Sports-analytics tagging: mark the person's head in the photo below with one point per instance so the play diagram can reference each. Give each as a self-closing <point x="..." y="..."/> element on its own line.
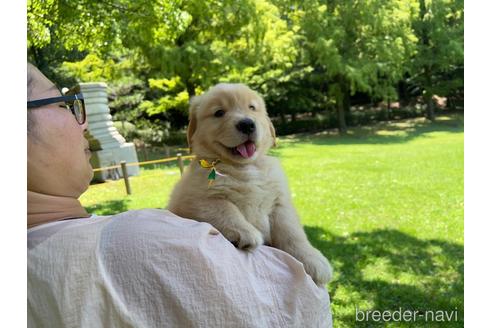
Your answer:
<point x="57" y="151"/>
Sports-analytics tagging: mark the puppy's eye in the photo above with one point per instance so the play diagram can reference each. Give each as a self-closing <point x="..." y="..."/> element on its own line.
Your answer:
<point x="219" y="113"/>
<point x="252" y="107"/>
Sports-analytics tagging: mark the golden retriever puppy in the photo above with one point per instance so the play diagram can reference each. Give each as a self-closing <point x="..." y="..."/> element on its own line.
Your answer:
<point x="234" y="185"/>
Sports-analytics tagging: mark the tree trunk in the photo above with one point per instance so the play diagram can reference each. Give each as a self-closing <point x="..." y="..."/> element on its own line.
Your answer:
<point x="431" y="115"/>
<point x="341" y="103"/>
<point x="346" y="103"/>
<point x="342" y="125"/>
<point x="282" y="117"/>
<point x="425" y="41"/>
<point x="293" y="117"/>
<point x="403" y="97"/>
<point x="387" y="110"/>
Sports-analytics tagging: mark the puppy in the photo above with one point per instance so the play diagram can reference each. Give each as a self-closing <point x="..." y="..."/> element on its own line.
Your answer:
<point x="234" y="185"/>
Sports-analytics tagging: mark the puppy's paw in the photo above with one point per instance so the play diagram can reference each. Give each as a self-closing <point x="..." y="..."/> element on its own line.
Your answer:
<point x="246" y="239"/>
<point x="317" y="266"/>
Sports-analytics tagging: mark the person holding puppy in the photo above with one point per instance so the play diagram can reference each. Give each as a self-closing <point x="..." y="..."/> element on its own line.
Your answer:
<point x="144" y="268"/>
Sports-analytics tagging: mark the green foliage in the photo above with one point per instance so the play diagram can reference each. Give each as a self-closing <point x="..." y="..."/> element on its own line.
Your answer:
<point x="91" y="68"/>
<point x="437" y="67"/>
<point x="166" y="103"/>
<point x="303" y="56"/>
<point x="185" y="40"/>
<point x="127" y="130"/>
<point x="81" y="25"/>
<point x="174" y="96"/>
<point x="361" y="46"/>
<point x="39" y="21"/>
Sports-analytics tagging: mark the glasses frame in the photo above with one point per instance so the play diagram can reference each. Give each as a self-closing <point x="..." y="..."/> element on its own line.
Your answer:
<point x="68" y="100"/>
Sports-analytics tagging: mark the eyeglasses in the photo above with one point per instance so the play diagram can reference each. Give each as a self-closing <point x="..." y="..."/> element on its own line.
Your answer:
<point x="74" y="103"/>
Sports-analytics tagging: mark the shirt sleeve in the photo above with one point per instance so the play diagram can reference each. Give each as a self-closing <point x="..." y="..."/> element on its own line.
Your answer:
<point x="150" y="268"/>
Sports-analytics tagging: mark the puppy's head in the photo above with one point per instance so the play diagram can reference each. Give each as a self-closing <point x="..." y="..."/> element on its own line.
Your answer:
<point x="230" y="122"/>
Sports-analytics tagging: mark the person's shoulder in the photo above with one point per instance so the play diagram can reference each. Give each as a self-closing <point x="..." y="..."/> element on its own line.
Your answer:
<point x="160" y="216"/>
<point x="150" y="214"/>
<point x="156" y="221"/>
<point x="128" y="225"/>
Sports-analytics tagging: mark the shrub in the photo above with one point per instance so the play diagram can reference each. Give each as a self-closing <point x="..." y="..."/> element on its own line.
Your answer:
<point x="127" y="130"/>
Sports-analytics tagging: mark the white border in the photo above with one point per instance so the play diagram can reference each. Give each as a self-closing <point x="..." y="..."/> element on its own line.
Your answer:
<point x="478" y="164"/>
<point x="13" y="187"/>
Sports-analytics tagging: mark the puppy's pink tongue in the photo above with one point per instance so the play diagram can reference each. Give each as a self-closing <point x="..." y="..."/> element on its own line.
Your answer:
<point x="246" y="149"/>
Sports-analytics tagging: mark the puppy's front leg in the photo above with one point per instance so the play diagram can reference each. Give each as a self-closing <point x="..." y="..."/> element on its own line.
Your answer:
<point x="228" y="219"/>
<point x="288" y="235"/>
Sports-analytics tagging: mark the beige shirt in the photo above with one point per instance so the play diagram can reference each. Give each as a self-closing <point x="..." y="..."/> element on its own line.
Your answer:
<point x="151" y="268"/>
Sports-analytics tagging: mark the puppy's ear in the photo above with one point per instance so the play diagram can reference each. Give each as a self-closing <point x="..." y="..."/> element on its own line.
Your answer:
<point x="194" y="103"/>
<point x="270" y="124"/>
<point x="272" y="132"/>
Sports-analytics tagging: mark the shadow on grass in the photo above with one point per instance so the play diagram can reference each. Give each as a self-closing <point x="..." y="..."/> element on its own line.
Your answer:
<point x="108" y="208"/>
<point x="379" y="133"/>
<point x="393" y="270"/>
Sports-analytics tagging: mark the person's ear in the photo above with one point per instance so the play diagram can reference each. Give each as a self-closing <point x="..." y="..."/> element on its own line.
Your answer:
<point x="194" y="103"/>
<point x="272" y="132"/>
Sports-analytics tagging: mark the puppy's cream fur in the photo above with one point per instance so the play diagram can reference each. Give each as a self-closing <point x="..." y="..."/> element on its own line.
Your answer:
<point x="251" y="205"/>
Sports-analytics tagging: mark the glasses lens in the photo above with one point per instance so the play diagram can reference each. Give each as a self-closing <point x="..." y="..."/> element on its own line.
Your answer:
<point x="79" y="111"/>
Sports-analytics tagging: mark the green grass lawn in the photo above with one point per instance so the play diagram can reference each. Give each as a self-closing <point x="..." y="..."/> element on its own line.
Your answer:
<point x="383" y="203"/>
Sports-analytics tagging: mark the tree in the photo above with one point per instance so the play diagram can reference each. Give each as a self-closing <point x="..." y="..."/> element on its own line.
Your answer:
<point x="193" y="43"/>
<point x="184" y="41"/>
<point x="269" y="59"/>
<point x="438" y="64"/>
<point x="356" y="45"/>
<point x="303" y="56"/>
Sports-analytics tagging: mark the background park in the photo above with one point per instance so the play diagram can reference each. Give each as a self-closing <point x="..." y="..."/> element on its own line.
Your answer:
<point x="367" y="101"/>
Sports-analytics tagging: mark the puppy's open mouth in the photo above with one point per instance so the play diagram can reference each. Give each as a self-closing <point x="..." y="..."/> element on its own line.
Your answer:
<point x="246" y="150"/>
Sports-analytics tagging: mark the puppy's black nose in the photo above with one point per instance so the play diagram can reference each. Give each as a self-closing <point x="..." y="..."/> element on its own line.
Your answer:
<point x="246" y="126"/>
